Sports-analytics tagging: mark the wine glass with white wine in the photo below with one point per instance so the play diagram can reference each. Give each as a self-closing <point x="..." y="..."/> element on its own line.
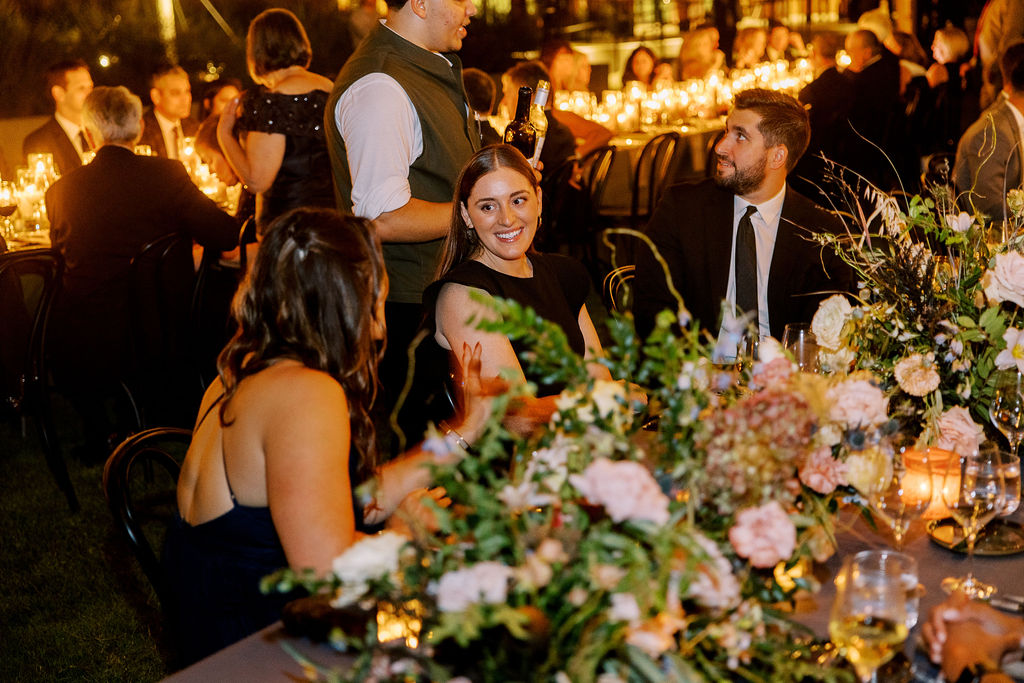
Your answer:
<point x="973" y="491"/>
<point x="907" y="493"/>
<point x="1007" y="408"/>
<point x="868" y="618"/>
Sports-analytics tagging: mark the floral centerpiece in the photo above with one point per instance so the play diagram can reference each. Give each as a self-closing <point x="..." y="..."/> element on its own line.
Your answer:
<point x="612" y="547"/>
<point x="937" y="306"/>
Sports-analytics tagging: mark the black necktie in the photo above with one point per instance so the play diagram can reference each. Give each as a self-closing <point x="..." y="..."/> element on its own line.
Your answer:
<point x="83" y="143"/>
<point x="746" y="265"/>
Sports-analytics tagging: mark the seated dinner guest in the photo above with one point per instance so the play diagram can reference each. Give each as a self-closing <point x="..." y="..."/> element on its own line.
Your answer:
<point x="170" y="118"/>
<point x="101" y="215"/>
<point x="284" y="436"/>
<point x="489" y="251"/>
<point x="69" y="83"/>
<point x="640" y="66"/>
<point x="743" y="237"/>
<point x="282" y="156"/>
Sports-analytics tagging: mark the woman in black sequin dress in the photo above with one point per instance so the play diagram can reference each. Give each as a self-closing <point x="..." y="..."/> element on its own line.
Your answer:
<point x="274" y="137"/>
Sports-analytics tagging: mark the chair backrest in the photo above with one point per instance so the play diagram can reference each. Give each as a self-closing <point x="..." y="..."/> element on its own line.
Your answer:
<point x="28" y="283"/>
<point x="596" y="165"/>
<point x="555" y="190"/>
<point x="163" y="287"/>
<point x="650" y="175"/>
<point x="140" y="482"/>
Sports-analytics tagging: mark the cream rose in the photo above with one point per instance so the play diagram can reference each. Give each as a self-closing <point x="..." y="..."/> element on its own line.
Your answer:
<point x="829" y="320"/>
<point x="916" y="374"/>
<point x="764" y="535"/>
<point x="857" y="402"/>
<point x="869" y="471"/>
<point x="1005" y="281"/>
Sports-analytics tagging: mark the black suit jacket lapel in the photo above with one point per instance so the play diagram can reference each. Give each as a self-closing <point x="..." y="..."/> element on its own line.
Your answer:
<point x="789" y="261"/>
<point x="719" y="248"/>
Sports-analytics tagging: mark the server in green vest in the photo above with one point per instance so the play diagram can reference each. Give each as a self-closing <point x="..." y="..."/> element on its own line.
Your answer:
<point x="399" y="129"/>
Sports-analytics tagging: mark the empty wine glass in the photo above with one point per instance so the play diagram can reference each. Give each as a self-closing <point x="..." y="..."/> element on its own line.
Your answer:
<point x="798" y="339"/>
<point x="973" y="491"/>
<point x="906" y="494"/>
<point x="1007" y="408"/>
<point x="868" y="617"/>
<point x="8" y="205"/>
<point x="1011" y="481"/>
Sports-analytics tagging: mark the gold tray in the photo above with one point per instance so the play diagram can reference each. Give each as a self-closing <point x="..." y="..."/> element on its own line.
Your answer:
<point x="1000" y="537"/>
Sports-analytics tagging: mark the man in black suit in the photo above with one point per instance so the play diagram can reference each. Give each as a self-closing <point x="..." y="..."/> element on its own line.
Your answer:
<point x="69" y="83"/>
<point x="101" y="215"/>
<point x="743" y="236"/>
<point x="169" y="119"/>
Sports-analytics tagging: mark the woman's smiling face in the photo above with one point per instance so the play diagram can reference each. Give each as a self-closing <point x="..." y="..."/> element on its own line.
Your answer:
<point x="503" y="208"/>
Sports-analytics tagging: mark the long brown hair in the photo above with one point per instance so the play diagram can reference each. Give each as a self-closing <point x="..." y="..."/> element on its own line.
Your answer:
<point x="311" y="297"/>
<point x="462" y="242"/>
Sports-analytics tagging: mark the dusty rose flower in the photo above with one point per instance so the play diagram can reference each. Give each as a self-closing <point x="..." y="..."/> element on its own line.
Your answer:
<point x="771" y="374"/>
<point x="624" y="608"/>
<point x="535" y="572"/>
<point x="829" y="320"/>
<point x="821" y="472"/>
<point x="958" y="432"/>
<point x="577" y="596"/>
<point x="1013" y="354"/>
<point x="626" y="489"/>
<point x="606" y="576"/>
<point x="916" y="374"/>
<point x="857" y="402"/>
<point x="714" y="586"/>
<point x="1005" y="281"/>
<point x="551" y="550"/>
<point x="485" y="582"/>
<point x="655" y="636"/>
<point x="764" y="535"/>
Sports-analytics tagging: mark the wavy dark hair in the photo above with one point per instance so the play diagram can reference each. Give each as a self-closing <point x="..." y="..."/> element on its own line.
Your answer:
<point x="628" y="74"/>
<point x="311" y="296"/>
<point x="276" y="40"/>
<point x="462" y="242"/>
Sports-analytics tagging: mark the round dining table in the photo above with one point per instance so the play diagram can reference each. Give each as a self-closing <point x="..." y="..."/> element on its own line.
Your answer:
<point x="263" y="656"/>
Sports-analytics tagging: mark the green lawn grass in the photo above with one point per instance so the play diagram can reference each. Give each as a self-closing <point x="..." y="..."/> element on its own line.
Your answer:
<point x="74" y="605"/>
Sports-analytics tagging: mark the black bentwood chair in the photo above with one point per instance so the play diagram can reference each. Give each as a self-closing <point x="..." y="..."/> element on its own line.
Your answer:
<point x="140" y="481"/>
<point x="28" y="283"/>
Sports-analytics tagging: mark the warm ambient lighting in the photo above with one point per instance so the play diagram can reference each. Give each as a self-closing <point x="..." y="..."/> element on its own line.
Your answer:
<point x="404" y="623"/>
<point x="918" y="471"/>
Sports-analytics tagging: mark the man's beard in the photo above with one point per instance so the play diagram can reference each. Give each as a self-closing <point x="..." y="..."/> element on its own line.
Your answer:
<point x="742" y="181"/>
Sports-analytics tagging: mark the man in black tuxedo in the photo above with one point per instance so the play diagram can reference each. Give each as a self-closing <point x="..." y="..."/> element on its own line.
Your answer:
<point x="69" y="83"/>
<point x="169" y="119"/>
<point x="101" y="215"/>
<point x="743" y="236"/>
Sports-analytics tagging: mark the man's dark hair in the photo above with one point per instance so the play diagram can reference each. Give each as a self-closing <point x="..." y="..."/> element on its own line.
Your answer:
<point x="783" y="120"/>
<point x="163" y="69"/>
<point x="396" y="4"/>
<point x="57" y="74"/>
<point x="1012" y="66"/>
<point x="480" y="90"/>
<point x="528" y="73"/>
<point x="827" y="45"/>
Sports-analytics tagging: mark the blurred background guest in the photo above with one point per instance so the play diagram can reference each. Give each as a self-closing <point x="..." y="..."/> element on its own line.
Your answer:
<point x="946" y="122"/>
<point x="639" y="66"/>
<point x="913" y="62"/>
<point x="581" y="71"/>
<point x="699" y="54"/>
<point x="216" y="95"/>
<point x="69" y="83"/>
<point x="480" y="93"/>
<point x="1000" y="24"/>
<point x="557" y="57"/>
<point x="282" y="156"/>
<point x="362" y="19"/>
<point x="101" y="215"/>
<point x="664" y="73"/>
<point x="748" y="50"/>
<point x="782" y="43"/>
<point x="169" y="120"/>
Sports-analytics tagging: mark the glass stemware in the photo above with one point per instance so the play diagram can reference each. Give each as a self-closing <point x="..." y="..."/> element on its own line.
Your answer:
<point x="973" y="491"/>
<point x="798" y="339"/>
<point x="868" y="618"/>
<point x="1007" y="408"/>
<point x="906" y="494"/>
<point x="8" y="205"/>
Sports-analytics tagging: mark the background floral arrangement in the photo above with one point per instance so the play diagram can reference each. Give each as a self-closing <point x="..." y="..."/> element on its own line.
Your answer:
<point x="610" y="547"/>
<point x="937" y="307"/>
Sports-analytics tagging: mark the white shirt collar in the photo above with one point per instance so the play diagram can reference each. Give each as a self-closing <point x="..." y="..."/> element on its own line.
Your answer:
<point x="769" y="209"/>
<point x="71" y="129"/>
<point x="166" y="125"/>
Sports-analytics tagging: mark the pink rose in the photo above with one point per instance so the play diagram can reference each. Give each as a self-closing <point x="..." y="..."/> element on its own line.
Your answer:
<point x="916" y="374"/>
<point x="821" y="472"/>
<point x="857" y="402"/>
<point x="655" y="636"/>
<point x="626" y="489"/>
<point x="958" y="432"/>
<point x="771" y="374"/>
<point x="1005" y="281"/>
<point x="764" y="535"/>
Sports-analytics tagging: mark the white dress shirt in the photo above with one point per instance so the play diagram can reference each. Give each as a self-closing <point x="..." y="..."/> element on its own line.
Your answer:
<point x="766" y="227"/>
<point x="172" y="132"/>
<point x="72" y="130"/>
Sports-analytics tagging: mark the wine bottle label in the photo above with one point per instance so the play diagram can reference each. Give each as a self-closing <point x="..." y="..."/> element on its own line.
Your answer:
<point x="536" y="154"/>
